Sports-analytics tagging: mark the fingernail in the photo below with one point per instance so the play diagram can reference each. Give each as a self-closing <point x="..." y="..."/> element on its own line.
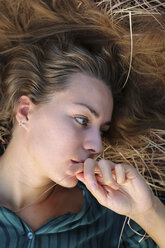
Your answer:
<point x="94" y="186"/>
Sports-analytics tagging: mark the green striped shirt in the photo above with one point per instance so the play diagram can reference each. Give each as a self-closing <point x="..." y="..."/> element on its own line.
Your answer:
<point x="94" y="227"/>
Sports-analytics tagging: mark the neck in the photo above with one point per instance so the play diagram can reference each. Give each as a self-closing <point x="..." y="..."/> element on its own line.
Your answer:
<point x="20" y="182"/>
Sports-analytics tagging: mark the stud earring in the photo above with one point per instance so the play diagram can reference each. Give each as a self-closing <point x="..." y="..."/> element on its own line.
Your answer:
<point x="22" y="123"/>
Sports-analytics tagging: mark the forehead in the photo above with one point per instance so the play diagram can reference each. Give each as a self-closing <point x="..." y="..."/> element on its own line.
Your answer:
<point x="89" y="90"/>
<point x="84" y="85"/>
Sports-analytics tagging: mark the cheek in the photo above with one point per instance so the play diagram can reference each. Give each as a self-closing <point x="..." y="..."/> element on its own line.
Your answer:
<point x="54" y="139"/>
<point x="67" y="137"/>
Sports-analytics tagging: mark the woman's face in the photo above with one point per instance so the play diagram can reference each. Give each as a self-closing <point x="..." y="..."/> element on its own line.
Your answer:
<point x="69" y="127"/>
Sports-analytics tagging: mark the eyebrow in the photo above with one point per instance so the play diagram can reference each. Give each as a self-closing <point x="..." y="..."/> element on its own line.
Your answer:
<point x="96" y="114"/>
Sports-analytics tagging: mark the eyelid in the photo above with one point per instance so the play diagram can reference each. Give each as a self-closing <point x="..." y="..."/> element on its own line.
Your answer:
<point x="80" y="116"/>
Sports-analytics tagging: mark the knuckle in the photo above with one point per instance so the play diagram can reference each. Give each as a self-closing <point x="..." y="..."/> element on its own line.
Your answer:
<point x="121" y="180"/>
<point x="119" y="167"/>
<point x="89" y="160"/>
<point x="109" y="182"/>
<point x="103" y="162"/>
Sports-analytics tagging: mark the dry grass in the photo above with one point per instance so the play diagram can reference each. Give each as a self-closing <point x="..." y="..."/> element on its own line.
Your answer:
<point x="118" y="10"/>
<point x="136" y="6"/>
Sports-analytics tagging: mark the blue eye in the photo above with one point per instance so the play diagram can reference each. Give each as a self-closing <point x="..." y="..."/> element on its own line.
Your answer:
<point x="82" y="121"/>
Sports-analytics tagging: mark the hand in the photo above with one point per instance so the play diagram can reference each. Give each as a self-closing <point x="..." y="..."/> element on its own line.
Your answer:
<point x="118" y="187"/>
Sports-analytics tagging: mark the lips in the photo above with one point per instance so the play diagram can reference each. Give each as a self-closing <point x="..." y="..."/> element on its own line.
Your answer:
<point x="75" y="162"/>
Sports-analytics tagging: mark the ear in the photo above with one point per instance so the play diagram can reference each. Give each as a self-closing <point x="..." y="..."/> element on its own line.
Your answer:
<point x="24" y="106"/>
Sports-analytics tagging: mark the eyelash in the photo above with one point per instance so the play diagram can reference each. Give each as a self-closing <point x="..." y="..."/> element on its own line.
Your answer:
<point x="103" y="133"/>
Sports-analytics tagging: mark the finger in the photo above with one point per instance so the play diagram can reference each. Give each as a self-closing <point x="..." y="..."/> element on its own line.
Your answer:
<point x="131" y="172"/>
<point x="89" y="173"/>
<point x="75" y="168"/>
<point x="106" y="168"/>
<point x="120" y="173"/>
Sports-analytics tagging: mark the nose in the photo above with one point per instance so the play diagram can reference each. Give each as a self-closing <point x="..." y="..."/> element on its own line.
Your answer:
<point x="93" y="142"/>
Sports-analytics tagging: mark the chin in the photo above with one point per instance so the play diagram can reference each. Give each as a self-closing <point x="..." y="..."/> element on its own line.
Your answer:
<point x="69" y="182"/>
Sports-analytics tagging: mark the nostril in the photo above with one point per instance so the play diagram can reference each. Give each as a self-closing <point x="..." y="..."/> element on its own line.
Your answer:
<point x="92" y="150"/>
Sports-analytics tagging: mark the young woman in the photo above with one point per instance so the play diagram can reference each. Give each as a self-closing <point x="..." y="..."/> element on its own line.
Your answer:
<point x="58" y="95"/>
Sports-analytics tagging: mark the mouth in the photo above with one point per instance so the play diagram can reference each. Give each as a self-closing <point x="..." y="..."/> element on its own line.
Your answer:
<point x="76" y="162"/>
